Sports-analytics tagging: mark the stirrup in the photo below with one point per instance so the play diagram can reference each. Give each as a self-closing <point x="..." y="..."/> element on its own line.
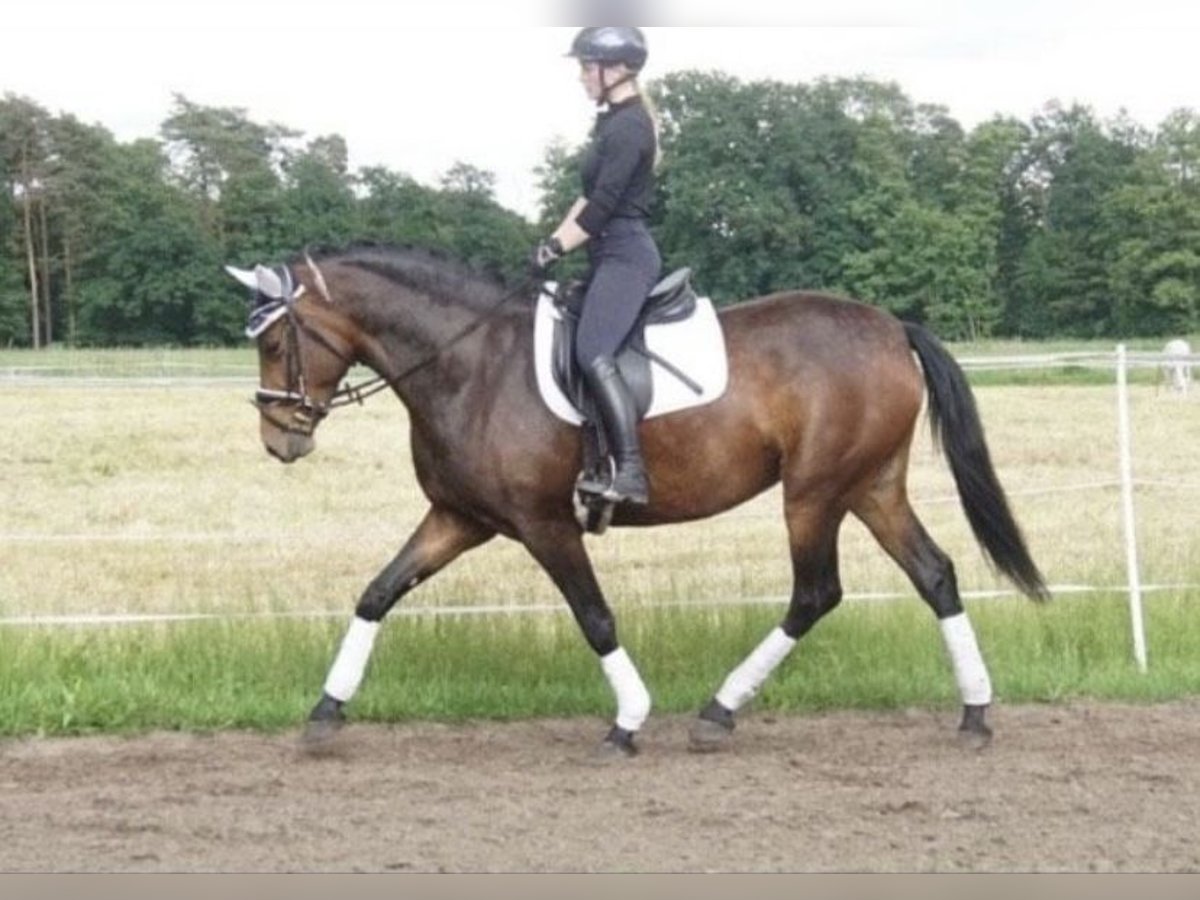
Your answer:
<point x="590" y="483"/>
<point x="594" y="483"/>
<point x="592" y="511"/>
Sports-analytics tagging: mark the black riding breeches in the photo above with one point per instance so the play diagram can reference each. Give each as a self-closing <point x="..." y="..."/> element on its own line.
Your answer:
<point x="625" y="265"/>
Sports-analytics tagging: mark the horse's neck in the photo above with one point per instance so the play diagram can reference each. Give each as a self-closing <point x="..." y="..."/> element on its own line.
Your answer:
<point x="406" y="329"/>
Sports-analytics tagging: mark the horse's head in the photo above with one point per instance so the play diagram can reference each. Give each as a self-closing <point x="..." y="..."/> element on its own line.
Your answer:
<point x="304" y="349"/>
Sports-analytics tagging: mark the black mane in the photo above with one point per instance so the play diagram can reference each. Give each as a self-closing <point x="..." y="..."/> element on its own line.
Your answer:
<point x="434" y="273"/>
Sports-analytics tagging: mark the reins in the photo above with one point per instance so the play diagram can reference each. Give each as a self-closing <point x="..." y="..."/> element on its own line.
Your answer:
<point x="483" y="317"/>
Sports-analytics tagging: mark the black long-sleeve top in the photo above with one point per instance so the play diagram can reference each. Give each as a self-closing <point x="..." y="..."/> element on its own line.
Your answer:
<point x="618" y="168"/>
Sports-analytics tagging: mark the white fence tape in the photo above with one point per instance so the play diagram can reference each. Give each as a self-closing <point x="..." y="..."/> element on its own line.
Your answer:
<point x="493" y="608"/>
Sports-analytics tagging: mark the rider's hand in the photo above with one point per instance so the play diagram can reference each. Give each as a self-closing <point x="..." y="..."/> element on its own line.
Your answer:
<point x="545" y="255"/>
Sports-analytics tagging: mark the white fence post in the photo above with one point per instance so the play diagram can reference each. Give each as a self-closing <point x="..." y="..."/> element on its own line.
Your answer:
<point x="1131" y="557"/>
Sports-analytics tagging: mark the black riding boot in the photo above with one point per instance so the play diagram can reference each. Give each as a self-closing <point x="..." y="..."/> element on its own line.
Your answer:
<point x="616" y="407"/>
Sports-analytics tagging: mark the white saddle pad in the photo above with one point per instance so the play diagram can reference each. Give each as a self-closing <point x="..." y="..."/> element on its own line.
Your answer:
<point x="695" y="347"/>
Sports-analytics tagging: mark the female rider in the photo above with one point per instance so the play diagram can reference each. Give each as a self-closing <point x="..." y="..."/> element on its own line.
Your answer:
<point x="610" y="217"/>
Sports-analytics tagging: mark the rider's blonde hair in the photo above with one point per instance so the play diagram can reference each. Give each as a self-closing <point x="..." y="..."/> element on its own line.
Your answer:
<point x="652" y="110"/>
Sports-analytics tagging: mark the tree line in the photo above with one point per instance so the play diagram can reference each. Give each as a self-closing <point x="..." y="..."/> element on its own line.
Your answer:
<point x="1059" y="226"/>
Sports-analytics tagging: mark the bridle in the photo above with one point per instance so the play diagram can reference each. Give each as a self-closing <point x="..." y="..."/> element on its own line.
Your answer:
<point x="307" y="412"/>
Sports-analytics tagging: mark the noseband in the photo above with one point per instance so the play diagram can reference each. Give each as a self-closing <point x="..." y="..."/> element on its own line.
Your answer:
<point x="307" y="412"/>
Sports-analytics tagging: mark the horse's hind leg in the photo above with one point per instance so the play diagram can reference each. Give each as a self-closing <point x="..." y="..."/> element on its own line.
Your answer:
<point x="888" y="515"/>
<point x="439" y="539"/>
<point x="816" y="590"/>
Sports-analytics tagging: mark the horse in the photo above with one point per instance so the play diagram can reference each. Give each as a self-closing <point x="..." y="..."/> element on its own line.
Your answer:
<point x="1175" y="370"/>
<point x="824" y="395"/>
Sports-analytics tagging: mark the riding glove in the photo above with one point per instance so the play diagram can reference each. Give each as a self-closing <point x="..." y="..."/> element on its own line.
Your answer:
<point x="545" y="255"/>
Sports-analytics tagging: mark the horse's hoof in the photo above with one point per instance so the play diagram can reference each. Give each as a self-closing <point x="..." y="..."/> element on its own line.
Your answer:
<point x="616" y="747"/>
<point x="713" y="731"/>
<point x="708" y="737"/>
<point x="974" y="733"/>
<point x="973" y="739"/>
<point x="320" y="736"/>
<point x="324" y="724"/>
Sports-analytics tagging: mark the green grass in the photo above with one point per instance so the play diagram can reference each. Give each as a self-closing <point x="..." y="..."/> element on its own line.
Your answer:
<point x="1057" y="376"/>
<point x="267" y="674"/>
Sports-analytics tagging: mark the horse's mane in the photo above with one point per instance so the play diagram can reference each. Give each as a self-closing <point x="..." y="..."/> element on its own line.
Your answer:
<point x="429" y="271"/>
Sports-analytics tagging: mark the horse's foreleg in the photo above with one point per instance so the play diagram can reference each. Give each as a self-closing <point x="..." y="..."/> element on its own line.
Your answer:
<point x="896" y="527"/>
<point x="441" y="536"/>
<point x="816" y="590"/>
<point x="559" y="548"/>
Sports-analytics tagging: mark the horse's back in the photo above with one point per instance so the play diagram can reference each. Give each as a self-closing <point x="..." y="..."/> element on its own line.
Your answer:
<point x="821" y="339"/>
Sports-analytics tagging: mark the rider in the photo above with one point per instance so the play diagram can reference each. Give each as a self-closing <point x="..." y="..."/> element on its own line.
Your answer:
<point x="610" y="217"/>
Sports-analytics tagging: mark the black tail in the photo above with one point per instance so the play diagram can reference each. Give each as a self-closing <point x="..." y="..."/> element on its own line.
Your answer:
<point x="957" y="429"/>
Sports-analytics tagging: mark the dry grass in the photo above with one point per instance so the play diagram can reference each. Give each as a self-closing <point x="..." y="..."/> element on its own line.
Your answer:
<point x="143" y="498"/>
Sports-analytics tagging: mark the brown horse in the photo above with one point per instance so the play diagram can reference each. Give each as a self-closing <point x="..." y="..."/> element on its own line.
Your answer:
<point x="823" y="395"/>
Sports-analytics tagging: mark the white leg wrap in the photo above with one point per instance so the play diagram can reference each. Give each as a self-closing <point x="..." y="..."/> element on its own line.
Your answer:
<point x="347" y="672"/>
<point x="744" y="681"/>
<point x="969" y="670"/>
<point x="633" y="700"/>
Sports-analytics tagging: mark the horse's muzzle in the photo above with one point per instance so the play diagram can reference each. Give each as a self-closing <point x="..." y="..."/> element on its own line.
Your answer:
<point x="287" y="446"/>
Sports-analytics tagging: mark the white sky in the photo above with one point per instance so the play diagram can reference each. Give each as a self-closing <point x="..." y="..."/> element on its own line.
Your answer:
<point x="416" y="87"/>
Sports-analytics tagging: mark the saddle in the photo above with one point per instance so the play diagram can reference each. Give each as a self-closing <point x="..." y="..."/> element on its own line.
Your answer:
<point x="671" y="300"/>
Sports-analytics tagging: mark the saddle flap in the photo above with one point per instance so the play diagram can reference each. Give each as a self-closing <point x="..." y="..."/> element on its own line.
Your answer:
<point x="632" y="363"/>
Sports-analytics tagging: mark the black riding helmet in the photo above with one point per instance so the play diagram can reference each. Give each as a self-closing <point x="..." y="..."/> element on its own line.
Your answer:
<point x="611" y="44"/>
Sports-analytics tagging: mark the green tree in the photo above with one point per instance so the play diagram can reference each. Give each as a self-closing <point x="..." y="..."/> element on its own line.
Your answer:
<point x="924" y="240"/>
<point x="470" y="224"/>
<point x="14" y="324"/>
<point x="156" y="278"/>
<point x="1155" y="275"/>
<point x="394" y="208"/>
<point x="462" y="218"/>
<point x="319" y="200"/>
<point x="24" y="152"/>
<point x="978" y="194"/>
<point x="729" y="197"/>
<point x="1075" y="168"/>
<point x="558" y="183"/>
<point x="81" y="192"/>
<point x="464" y="178"/>
<point x="232" y="167"/>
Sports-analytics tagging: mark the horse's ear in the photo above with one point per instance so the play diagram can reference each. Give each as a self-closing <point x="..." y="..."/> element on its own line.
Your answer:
<point x="243" y="277"/>
<point x="269" y="283"/>
<point x="322" y="288"/>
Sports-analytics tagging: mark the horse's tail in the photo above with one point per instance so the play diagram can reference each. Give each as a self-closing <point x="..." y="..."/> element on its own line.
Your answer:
<point x="956" y="427"/>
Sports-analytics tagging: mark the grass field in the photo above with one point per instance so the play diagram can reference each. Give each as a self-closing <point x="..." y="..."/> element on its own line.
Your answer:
<point x="130" y="491"/>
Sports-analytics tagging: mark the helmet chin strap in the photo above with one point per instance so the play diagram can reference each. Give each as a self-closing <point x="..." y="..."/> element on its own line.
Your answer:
<point x="606" y="88"/>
